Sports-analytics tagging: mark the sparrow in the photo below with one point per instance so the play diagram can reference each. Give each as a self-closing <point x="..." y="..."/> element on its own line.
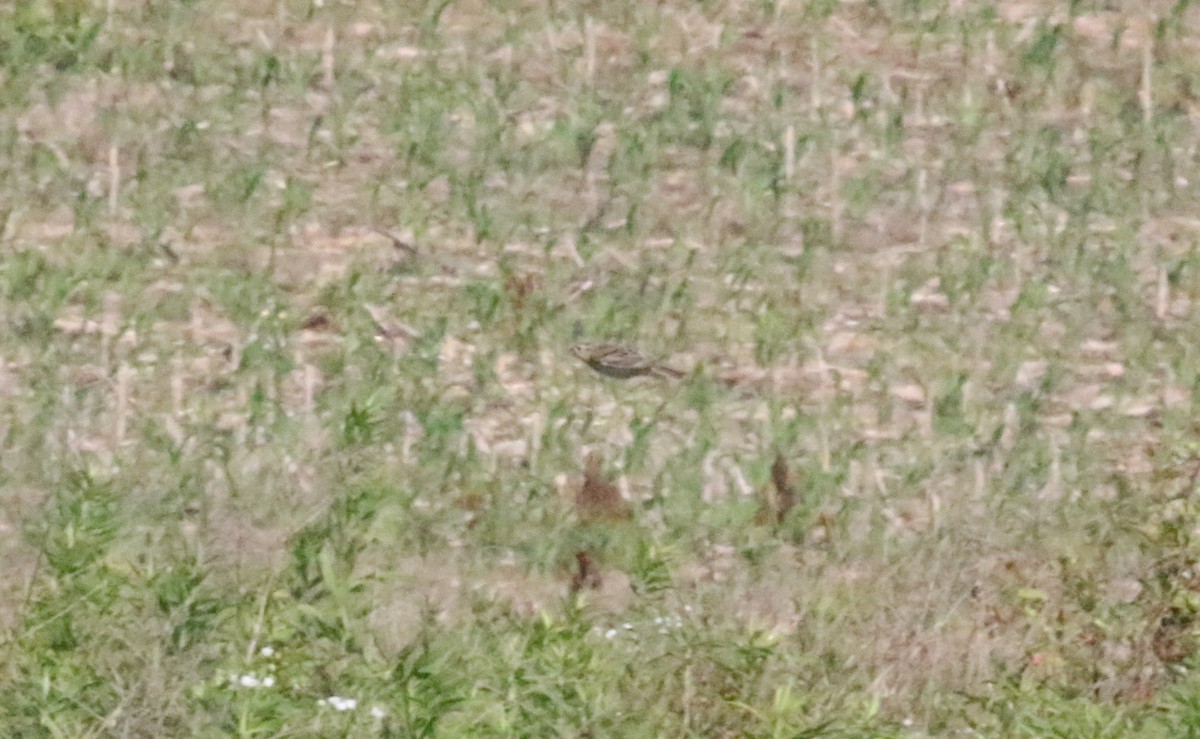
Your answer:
<point x="613" y="360"/>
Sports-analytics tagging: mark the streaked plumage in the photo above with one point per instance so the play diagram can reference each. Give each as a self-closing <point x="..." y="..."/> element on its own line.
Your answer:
<point x="613" y="360"/>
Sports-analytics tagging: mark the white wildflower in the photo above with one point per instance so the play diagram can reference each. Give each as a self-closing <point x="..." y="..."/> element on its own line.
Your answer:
<point x="342" y="704"/>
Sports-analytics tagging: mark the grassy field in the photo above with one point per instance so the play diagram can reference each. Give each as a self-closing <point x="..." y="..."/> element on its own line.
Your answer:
<point x="293" y="444"/>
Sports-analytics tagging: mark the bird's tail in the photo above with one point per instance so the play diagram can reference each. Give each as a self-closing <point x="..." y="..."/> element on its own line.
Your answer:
<point x="670" y="373"/>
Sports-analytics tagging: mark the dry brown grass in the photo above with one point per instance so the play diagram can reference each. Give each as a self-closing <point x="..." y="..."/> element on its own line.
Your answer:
<point x="598" y="498"/>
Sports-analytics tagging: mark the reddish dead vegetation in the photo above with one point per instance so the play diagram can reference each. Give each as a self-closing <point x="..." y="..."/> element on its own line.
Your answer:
<point x="587" y="575"/>
<point x="780" y="496"/>
<point x="599" y="499"/>
<point x="520" y="286"/>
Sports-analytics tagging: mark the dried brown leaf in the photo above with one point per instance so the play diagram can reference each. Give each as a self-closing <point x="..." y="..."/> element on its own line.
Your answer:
<point x="780" y="497"/>
<point x="587" y="575"/>
<point x="598" y="498"/>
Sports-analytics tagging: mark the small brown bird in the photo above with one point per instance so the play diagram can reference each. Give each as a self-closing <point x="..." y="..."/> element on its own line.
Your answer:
<point x="598" y="498"/>
<point x="613" y="360"/>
